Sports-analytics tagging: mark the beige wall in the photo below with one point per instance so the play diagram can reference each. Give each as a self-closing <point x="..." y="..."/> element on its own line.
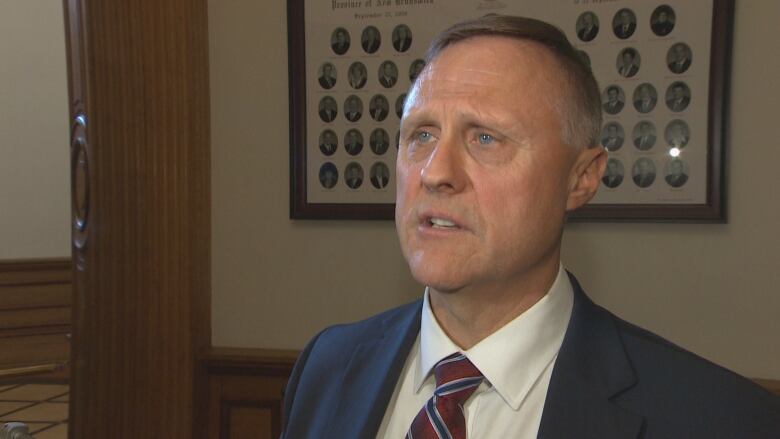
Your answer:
<point x="34" y="175"/>
<point x="712" y="288"/>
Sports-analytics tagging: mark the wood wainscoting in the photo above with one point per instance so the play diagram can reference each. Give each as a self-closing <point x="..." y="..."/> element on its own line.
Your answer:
<point x="35" y="313"/>
<point x="245" y="392"/>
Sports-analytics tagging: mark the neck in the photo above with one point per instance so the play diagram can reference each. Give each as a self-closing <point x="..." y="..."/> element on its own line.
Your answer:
<point x="472" y="313"/>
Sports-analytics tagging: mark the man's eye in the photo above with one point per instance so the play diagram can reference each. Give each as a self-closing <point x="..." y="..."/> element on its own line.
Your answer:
<point x="485" y="139"/>
<point x="424" y="137"/>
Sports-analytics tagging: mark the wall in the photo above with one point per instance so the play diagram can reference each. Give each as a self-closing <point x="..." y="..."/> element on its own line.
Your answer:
<point x="34" y="171"/>
<point x="711" y="288"/>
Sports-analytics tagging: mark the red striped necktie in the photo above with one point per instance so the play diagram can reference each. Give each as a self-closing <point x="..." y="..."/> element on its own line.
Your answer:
<point x="442" y="416"/>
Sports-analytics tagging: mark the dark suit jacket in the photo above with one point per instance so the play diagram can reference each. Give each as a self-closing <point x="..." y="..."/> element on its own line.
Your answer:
<point x="611" y="380"/>
<point x="586" y="34"/>
<point x="620" y="33"/>
<point x="680" y="68"/>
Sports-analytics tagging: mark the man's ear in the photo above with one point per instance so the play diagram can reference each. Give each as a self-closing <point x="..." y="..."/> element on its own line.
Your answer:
<point x="586" y="176"/>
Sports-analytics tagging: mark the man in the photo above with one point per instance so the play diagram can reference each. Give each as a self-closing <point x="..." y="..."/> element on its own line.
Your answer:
<point x="661" y="22"/>
<point x="371" y="39"/>
<point x="676" y="176"/>
<point x="328" y="78"/>
<point x="379" y="141"/>
<point x="589" y="27"/>
<point x="327" y="109"/>
<point x="677" y="133"/>
<point x="329" y="175"/>
<point x="402" y="38"/>
<point x="353" y="175"/>
<point x="624" y="24"/>
<point x="353" y="144"/>
<point x="353" y="108"/>
<point x="380" y="175"/>
<point x="378" y="108"/>
<point x="678" y="97"/>
<point x="498" y="145"/>
<point x="644" y="172"/>
<point x="628" y="65"/>
<point x="339" y="41"/>
<point x="613" y="175"/>
<point x="357" y="75"/>
<point x="645" y="98"/>
<point x="644" y="136"/>
<point x="680" y="55"/>
<point x="613" y="140"/>
<point x="388" y="74"/>
<point x="328" y="142"/>
<point x="613" y="104"/>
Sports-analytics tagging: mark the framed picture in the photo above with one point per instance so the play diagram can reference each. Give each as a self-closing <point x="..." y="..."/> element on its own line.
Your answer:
<point x="662" y="68"/>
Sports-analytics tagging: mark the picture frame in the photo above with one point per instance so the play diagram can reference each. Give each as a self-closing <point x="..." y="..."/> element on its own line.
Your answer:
<point x="665" y="133"/>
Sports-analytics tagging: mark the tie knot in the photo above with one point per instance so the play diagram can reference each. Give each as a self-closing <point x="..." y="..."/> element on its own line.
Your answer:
<point x="456" y="377"/>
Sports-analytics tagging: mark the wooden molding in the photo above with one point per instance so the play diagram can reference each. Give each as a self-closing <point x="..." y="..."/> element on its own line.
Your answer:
<point x="35" y="312"/>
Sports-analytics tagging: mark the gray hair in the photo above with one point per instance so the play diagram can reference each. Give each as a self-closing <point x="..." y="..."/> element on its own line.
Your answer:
<point x="578" y="104"/>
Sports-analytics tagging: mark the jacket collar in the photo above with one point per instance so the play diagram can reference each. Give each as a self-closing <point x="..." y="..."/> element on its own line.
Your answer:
<point x="369" y="379"/>
<point x="591" y="369"/>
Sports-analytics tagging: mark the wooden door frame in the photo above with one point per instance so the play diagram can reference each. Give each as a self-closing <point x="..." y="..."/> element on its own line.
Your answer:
<point x="140" y="167"/>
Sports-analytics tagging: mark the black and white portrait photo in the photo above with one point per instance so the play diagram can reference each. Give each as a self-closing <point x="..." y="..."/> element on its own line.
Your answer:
<point x="380" y="175"/>
<point x="328" y="109"/>
<point x="327" y="75"/>
<point x="676" y="173"/>
<point x="353" y="142"/>
<point x="679" y="58"/>
<point x="357" y="75"/>
<point x="402" y="38"/>
<point x="328" y="142"/>
<point x="645" y="98"/>
<point x="613" y="99"/>
<point x="612" y="136"/>
<point x="643" y="172"/>
<point x="662" y="20"/>
<point x="388" y="74"/>
<point x="678" y="96"/>
<point x="624" y="23"/>
<point x="379" y="108"/>
<point x="353" y="175"/>
<point x="644" y="135"/>
<point x="370" y="39"/>
<point x="353" y="108"/>
<point x="329" y="175"/>
<point x="677" y="134"/>
<point x="339" y="41"/>
<point x="399" y="105"/>
<point x="415" y="68"/>
<point x="613" y="173"/>
<point x="628" y="62"/>
<point x="587" y="26"/>
<point x="379" y="141"/>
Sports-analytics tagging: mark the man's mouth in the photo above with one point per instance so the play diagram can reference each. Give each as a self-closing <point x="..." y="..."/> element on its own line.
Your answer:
<point x="440" y="223"/>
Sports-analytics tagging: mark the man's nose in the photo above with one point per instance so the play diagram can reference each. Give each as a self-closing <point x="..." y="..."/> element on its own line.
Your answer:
<point x="444" y="169"/>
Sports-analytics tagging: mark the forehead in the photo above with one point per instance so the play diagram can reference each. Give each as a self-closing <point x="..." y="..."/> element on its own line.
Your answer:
<point x="492" y="74"/>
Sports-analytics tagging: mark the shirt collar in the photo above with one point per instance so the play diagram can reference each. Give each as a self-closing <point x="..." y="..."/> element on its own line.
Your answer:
<point x="527" y="344"/>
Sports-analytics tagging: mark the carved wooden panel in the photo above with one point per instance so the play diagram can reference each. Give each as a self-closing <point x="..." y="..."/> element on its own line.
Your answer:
<point x="245" y="392"/>
<point x="139" y="109"/>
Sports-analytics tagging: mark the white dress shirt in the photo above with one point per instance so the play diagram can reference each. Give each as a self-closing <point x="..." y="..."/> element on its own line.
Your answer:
<point x="517" y="362"/>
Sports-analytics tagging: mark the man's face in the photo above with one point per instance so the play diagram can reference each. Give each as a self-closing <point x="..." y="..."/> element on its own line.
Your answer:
<point x="680" y="53"/>
<point x="678" y="92"/>
<point x="612" y="95"/>
<point x="402" y="33"/>
<point x="328" y="138"/>
<point x="644" y="167"/>
<point x="341" y="37"/>
<point x="327" y="69"/>
<point x="662" y="17"/>
<point x="612" y="131"/>
<point x="587" y="19"/>
<point x="628" y="59"/>
<point x="387" y="69"/>
<point x="625" y="18"/>
<point x="481" y="155"/>
<point x="353" y="138"/>
<point x="677" y="168"/>
<point x="612" y="168"/>
<point x="644" y="129"/>
<point x="644" y="93"/>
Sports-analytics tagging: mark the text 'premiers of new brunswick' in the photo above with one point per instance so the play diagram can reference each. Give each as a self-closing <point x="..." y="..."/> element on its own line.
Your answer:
<point x="343" y="4"/>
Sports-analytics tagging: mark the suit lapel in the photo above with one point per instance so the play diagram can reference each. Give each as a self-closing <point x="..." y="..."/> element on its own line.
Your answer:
<point x="369" y="379"/>
<point x="591" y="369"/>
